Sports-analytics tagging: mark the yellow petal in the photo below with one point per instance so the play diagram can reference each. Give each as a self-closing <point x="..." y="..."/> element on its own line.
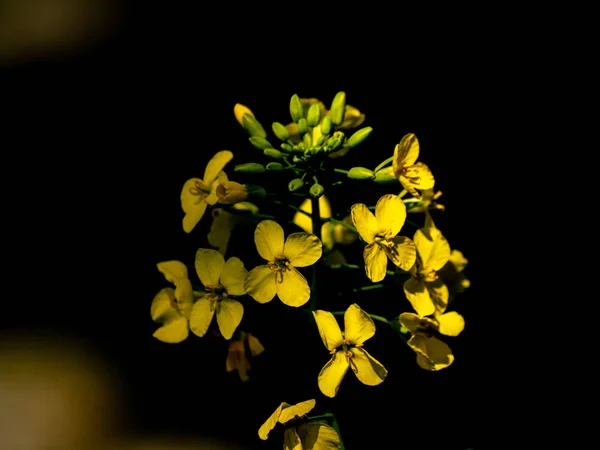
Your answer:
<point x="184" y="296"/>
<point x="239" y="111"/>
<point x="173" y="271"/>
<point x="458" y="260"/>
<point x="318" y="436"/>
<point x="332" y="373"/>
<point x="451" y="323"/>
<point x="401" y="251"/>
<point x="291" y="440"/>
<point x="406" y="152"/>
<point x="269" y="239"/>
<point x="215" y="165"/>
<point x="390" y="213"/>
<point x="173" y="331"/>
<point x="364" y="221"/>
<point x="410" y="321"/>
<point x="327" y="235"/>
<point x="433" y="249"/>
<point x="209" y="266"/>
<point x="358" y="326"/>
<point x="375" y="262"/>
<point x="293" y="289"/>
<point x="418" y="176"/>
<point x="418" y="295"/>
<point x="260" y="284"/>
<point x="237" y="360"/>
<point x="352" y="118"/>
<point x="220" y="229"/>
<point x="304" y="221"/>
<point x="256" y="348"/>
<point x="265" y="428"/>
<point x="302" y="249"/>
<point x="189" y="201"/>
<point x="193" y="216"/>
<point x="328" y="329"/>
<point x="299" y="409"/>
<point x="439" y="294"/>
<point x="229" y="316"/>
<point x="201" y="316"/>
<point x="432" y="354"/>
<point x="162" y="305"/>
<point x="233" y="276"/>
<point x="367" y="369"/>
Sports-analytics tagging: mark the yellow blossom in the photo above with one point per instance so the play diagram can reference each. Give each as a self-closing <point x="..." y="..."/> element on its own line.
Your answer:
<point x="300" y="434"/>
<point x="452" y="274"/>
<point x="239" y="111"/>
<point x="230" y="192"/>
<point x="347" y="349"/>
<point x="171" y="307"/>
<point x="425" y="203"/>
<point x="379" y="232"/>
<point x="411" y="174"/>
<point x="221" y="280"/>
<point x="237" y="358"/>
<point x="198" y="193"/>
<point x="432" y="353"/>
<point x="425" y="290"/>
<point x="280" y="276"/>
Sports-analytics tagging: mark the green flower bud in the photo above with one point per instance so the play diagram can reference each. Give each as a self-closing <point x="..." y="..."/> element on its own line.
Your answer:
<point x="280" y="131"/>
<point x="314" y="115"/>
<point x="249" y="168"/>
<point x="326" y="125"/>
<point x="307" y="141"/>
<point x="295" y="184"/>
<point x="296" y="108"/>
<point x="320" y="140"/>
<point x="302" y="126"/>
<point x="361" y="173"/>
<point x="253" y="126"/>
<point x="260" y="142"/>
<point x="287" y="147"/>
<point x="385" y="175"/>
<point x="358" y="137"/>
<point x="316" y="190"/>
<point x="255" y="190"/>
<point x="338" y="108"/>
<point x="275" y="167"/>
<point x="272" y="153"/>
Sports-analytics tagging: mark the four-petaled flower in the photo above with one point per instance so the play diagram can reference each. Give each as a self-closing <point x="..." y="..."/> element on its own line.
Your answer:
<point x="411" y="174"/>
<point x="299" y="433"/>
<point x="280" y="276"/>
<point x="221" y="280"/>
<point x="347" y="349"/>
<point x="379" y="232"/>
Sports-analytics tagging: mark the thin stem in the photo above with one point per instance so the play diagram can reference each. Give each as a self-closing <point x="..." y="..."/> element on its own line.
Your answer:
<point x="321" y="416"/>
<point x="345" y="172"/>
<point x="344" y="266"/>
<point x="387" y="161"/>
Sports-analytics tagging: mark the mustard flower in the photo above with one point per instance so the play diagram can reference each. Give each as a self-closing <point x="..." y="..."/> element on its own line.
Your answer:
<point x="411" y="174"/>
<point x="237" y="357"/>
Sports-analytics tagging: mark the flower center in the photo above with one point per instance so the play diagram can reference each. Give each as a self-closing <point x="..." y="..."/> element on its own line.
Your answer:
<point x="430" y="276"/>
<point x="345" y="347"/>
<point x="200" y="189"/>
<point x="215" y="293"/>
<point x="279" y="266"/>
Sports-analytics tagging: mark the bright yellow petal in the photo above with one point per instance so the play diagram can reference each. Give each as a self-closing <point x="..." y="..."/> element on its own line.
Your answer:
<point x="184" y="295"/>
<point x="209" y="265"/>
<point x="190" y="201"/>
<point x="233" y="276"/>
<point x="229" y="316"/>
<point x="201" y="316"/>
<point x="215" y="165"/>
<point x="410" y="321"/>
<point x="458" y="260"/>
<point x="364" y="221"/>
<point x="302" y="249"/>
<point x="260" y="284"/>
<point x="328" y="329"/>
<point x="406" y="152"/>
<point x="419" y="176"/>
<point x="265" y="428"/>
<point x="432" y="354"/>
<point x="291" y="440"/>
<point x="367" y="369"/>
<point x="239" y="111"/>
<point x="332" y="373"/>
<point x="193" y="216"/>
<point x="173" y="271"/>
<point x="401" y="251"/>
<point x="451" y="323"/>
<point x="220" y="229"/>
<point x="173" y="331"/>
<point x="299" y="409"/>
<point x="269" y="239"/>
<point x="358" y="326"/>
<point x="439" y="294"/>
<point x="293" y="289"/>
<point x="418" y="295"/>
<point x="390" y="213"/>
<point x="433" y="249"/>
<point x="375" y="262"/>
<point x="162" y="305"/>
<point x="318" y="436"/>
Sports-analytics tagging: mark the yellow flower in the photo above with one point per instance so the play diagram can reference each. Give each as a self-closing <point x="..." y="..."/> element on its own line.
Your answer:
<point x="237" y="358"/>
<point x="432" y="353"/>
<point x="451" y="274"/>
<point x="221" y="280"/>
<point x="425" y="290"/>
<point x="171" y="307"/>
<point x="280" y="275"/>
<point x="197" y="194"/>
<point x="300" y="434"/>
<point x="379" y="232"/>
<point x="230" y="192"/>
<point x="411" y="174"/>
<point x="425" y="203"/>
<point x="347" y="349"/>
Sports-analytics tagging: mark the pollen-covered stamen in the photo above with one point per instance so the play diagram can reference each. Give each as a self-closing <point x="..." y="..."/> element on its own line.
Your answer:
<point x="430" y="277"/>
<point x="279" y="266"/>
<point x="345" y="347"/>
<point x="215" y="293"/>
<point x="200" y="189"/>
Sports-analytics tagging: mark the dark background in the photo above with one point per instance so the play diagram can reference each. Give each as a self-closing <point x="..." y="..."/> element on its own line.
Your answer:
<point x="99" y="142"/>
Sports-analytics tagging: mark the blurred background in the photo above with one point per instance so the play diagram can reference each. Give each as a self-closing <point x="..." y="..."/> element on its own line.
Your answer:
<point x="109" y="107"/>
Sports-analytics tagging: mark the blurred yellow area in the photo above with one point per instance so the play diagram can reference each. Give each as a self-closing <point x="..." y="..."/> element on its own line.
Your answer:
<point x="57" y="394"/>
<point x="38" y="29"/>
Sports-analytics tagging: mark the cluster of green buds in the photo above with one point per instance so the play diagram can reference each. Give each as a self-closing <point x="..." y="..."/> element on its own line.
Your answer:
<point x="305" y="144"/>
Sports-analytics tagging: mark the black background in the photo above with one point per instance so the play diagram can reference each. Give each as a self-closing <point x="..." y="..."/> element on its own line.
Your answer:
<point x="100" y="142"/>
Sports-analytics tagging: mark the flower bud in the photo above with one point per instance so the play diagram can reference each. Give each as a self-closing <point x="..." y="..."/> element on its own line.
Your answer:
<point x="260" y="142"/>
<point x="314" y="115"/>
<point x="338" y="108"/>
<point x="275" y="167"/>
<point x="280" y="131"/>
<point x="239" y="111"/>
<point x="296" y="108"/>
<point x="361" y="173"/>
<point x="302" y="126"/>
<point x="272" y="153"/>
<point x="316" y="190"/>
<point x="385" y="175"/>
<point x="295" y="184"/>
<point x="249" y="168"/>
<point x="358" y="137"/>
<point x="253" y="126"/>
<point x="326" y="125"/>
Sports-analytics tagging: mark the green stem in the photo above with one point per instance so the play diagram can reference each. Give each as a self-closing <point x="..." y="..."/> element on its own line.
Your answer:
<point x="345" y="172"/>
<point x="387" y="161"/>
<point x="321" y="416"/>
<point x="316" y="227"/>
<point x="345" y="266"/>
<point x="336" y="427"/>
